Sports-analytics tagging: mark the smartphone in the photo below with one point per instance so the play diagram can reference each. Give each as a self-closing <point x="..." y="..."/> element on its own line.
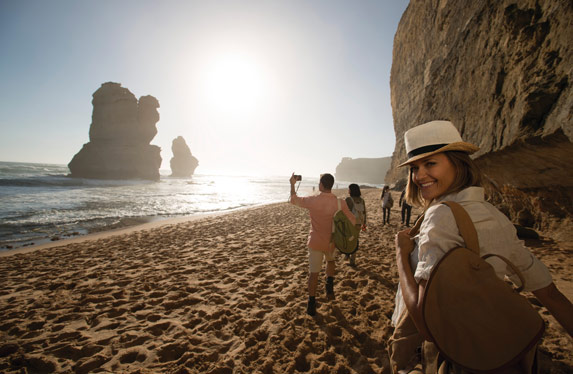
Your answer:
<point x="298" y="177"/>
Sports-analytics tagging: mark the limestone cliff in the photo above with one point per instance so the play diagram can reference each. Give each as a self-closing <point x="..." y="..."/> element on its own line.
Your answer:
<point x="502" y="71"/>
<point x="363" y="170"/>
<point x="183" y="163"/>
<point x="122" y="128"/>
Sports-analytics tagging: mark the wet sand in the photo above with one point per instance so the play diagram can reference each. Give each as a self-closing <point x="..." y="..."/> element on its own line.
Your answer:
<point x="220" y="294"/>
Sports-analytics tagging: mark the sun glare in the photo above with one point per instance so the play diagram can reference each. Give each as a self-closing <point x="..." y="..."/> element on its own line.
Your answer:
<point x="233" y="85"/>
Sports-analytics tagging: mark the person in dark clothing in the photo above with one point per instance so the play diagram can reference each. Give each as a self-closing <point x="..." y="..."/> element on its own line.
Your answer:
<point x="406" y="209"/>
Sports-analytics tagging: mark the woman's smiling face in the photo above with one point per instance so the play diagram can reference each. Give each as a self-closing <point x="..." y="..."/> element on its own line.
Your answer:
<point x="433" y="175"/>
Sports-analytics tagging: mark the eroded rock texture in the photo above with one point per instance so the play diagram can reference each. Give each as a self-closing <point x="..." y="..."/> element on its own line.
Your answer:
<point x="363" y="170"/>
<point x="502" y="72"/>
<point x="122" y="128"/>
<point x="183" y="163"/>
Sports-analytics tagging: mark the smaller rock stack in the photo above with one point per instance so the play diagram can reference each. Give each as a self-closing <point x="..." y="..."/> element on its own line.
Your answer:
<point x="183" y="163"/>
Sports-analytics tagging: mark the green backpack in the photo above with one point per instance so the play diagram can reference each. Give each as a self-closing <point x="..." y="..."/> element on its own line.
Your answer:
<point x="344" y="233"/>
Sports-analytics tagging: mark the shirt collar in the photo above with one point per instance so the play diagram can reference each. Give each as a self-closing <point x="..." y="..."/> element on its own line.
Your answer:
<point x="326" y="193"/>
<point x="467" y="194"/>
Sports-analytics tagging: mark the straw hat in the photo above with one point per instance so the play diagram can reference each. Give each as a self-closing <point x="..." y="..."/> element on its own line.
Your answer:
<point x="434" y="137"/>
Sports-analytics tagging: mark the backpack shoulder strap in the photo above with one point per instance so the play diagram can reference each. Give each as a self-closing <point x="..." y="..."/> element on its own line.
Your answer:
<point x="513" y="268"/>
<point x="464" y="222"/>
<point x="416" y="228"/>
<point x="333" y="225"/>
<point x="465" y="225"/>
<point x="351" y="205"/>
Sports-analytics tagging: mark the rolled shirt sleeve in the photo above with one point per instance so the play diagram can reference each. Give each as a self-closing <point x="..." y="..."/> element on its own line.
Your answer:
<point x="438" y="234"/>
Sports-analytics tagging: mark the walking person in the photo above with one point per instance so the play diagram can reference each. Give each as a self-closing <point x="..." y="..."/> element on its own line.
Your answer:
<point x="357" y="206"/>
<point x="387" y="203"/>
<point x="406" y="209"/>
<point x="322" y="208"/>
<point x="440" y="170"/>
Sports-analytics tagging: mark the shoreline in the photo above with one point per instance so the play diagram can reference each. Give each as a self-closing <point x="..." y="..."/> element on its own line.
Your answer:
<point x="154" y="222"/>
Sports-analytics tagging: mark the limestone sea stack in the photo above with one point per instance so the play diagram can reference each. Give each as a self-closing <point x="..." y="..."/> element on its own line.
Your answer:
<point x="183" y="163"/>
<point x="120" y="134"/>
<point x="502" y="72"/>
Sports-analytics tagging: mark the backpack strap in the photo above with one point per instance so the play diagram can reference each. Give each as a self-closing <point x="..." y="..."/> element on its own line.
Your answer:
<point x="465" y="225"/>
<point x="512" y="266"/>
<point x="469" y="234"/>
<point x="351" y="202"/>
<point x="416" y="228"/>
<point x="333" y="226"/>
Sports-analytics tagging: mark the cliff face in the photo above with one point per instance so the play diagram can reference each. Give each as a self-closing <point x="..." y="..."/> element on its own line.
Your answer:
<point x="363" y="170"/>
<point x="183" y="163"/>
<point x="501" y="71"/>
<point x="122" y="128"/>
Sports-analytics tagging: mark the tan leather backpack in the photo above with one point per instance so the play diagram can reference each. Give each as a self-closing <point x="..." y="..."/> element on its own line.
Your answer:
<point x="475" y="319"/>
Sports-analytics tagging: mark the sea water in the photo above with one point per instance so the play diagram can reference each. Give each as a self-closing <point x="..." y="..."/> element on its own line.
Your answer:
<point x="39" y="202"/>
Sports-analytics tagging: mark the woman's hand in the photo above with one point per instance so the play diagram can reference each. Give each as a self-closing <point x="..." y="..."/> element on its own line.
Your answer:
<point x="404" y="243"/>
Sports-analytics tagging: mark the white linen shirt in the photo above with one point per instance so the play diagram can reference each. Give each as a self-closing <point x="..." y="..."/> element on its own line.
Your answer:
<point x="496" y="234"/>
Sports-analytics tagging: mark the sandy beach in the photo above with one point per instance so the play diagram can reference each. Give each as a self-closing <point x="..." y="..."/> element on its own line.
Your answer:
<point x="221" y="294"/>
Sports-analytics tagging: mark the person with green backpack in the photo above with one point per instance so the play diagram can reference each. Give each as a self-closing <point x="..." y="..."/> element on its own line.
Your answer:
<point x="322" y="208"/>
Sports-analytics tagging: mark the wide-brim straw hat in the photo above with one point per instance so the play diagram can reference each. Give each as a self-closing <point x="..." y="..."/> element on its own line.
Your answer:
<point x="434" y="137"/>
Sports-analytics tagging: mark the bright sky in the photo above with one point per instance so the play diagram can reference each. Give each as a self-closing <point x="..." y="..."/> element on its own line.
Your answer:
<point x="254" y="87"/>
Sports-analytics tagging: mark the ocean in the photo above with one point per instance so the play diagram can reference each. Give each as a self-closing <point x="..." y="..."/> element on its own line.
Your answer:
<point x="40" y="203"/>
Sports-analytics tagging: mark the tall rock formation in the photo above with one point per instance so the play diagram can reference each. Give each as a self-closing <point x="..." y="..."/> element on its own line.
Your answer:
<point x="122" y="128"/>
<point x="183" y="163"/>
<point x="502" y="72"/>
<point x="363" y="170"/>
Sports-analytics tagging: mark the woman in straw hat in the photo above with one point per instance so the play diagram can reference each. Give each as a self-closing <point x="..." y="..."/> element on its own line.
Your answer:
<point x="440" y="169"/>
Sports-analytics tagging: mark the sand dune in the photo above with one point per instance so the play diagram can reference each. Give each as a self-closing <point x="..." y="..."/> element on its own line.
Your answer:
<point x="223" y="294"/>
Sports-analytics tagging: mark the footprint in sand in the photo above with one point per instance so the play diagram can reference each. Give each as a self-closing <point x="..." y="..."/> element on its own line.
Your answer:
<point x="159" y="329"/>
<point x="35" y="364"/>
<point x="132" y="356"/>
<point x="129" y="341"/>
<point x="89" y="365"/>
<point x="172" y="352"/>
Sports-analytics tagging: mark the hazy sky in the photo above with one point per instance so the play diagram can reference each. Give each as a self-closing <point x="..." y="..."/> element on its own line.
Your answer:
<point x="254" y="87"/>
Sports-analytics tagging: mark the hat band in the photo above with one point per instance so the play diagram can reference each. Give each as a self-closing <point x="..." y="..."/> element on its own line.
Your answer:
<point x="425" y="149"/>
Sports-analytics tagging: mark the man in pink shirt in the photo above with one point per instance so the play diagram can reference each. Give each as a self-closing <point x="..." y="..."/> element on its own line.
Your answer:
<point x="321" y="208"/>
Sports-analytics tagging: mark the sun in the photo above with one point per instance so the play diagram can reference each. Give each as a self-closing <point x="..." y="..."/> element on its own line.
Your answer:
<point x="233" y="85"/>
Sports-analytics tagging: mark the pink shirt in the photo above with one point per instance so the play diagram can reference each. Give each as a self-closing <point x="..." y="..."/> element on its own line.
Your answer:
<point x="321" y="209"/>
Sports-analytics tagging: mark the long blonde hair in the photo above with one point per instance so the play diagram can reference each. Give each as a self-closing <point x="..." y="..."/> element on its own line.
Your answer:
<point x="467" y="175"/>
